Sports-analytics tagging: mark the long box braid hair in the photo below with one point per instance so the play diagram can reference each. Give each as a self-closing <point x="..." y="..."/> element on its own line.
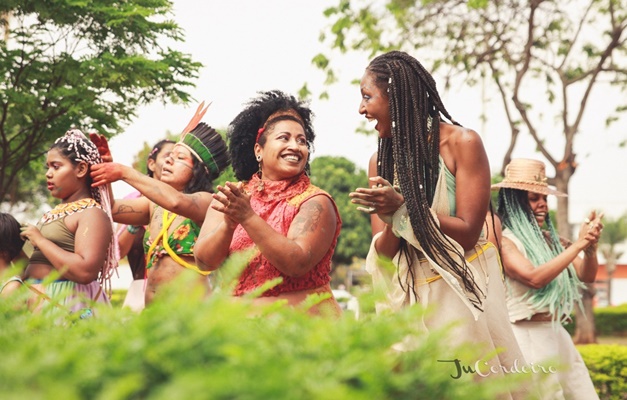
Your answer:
<point x="414" y="149"/>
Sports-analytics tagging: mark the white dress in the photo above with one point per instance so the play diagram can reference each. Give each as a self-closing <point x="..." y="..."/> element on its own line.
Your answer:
<point x="488" y="330"/>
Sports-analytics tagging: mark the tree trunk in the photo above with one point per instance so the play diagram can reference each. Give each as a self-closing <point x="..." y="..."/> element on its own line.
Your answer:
<point x="609" y="287"/>
<point x="584" y="321"/>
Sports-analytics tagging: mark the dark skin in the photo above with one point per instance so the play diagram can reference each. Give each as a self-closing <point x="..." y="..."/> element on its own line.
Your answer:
<point x="463" y="154"/>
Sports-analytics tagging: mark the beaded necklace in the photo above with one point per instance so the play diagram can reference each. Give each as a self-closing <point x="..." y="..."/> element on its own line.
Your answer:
<point x="64" y="209"/>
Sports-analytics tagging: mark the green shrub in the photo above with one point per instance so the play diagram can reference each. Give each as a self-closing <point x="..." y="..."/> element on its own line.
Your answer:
<point x="608" y="321"/>
<point x="608" y="367"/>
<point x="189" y="347"/>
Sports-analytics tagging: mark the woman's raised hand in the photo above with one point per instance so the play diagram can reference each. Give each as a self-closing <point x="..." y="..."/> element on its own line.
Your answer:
<point x="233" y="201"/>
<point x="102" y="174"/>
<point x="591" y="228"/>
<point x="381" y="198"/>
<point x="103" y="146"/>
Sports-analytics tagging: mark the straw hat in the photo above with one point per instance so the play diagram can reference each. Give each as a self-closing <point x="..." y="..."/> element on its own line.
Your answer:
<point x="526" y="174"/>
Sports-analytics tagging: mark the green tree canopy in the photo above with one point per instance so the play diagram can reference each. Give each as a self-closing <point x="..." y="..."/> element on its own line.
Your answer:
<point x="542" y="58"/>
<point x="339" y="176"/>
<point x="80" y="64"/>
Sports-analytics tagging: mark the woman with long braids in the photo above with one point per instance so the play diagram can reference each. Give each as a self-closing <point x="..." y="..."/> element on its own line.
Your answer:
<point x="291" y="225"/>
<point x="75" y="239"/>
<point x="543" y="275"/>
<point x="173" y="207"/>
<point x="428" y="197"/>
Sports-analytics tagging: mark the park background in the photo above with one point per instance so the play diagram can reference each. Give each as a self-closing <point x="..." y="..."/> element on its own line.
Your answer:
<point x="174" y="350"/>
<point x="248" y="46"/>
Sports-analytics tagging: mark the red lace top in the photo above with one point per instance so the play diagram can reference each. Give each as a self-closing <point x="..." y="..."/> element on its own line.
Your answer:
<point x="277" y="203"/>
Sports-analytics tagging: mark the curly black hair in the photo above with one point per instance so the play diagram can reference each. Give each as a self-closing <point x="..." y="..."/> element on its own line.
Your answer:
<point x="242" y="131"/>
<point x="10" y="240"/>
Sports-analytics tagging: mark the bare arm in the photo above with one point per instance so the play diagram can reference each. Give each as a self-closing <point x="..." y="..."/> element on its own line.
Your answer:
<point x="212" y="246"/>
<point x="93" y="234"/>
<point x="126" y="240"/>
<point x="193" y="206"/>
<point x="518" y="267"/>
<point x="465" y="156"/>
<point x="132" y="211"/>
<point x="588" y="266"/>
<point x="308" y="239"/>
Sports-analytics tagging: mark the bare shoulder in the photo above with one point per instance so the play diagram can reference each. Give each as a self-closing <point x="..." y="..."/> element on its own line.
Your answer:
<point x="97" y="214"/>
<point x="319" y="202"/>
<point x="463" y="137"/>
<point x="462" y="147"/>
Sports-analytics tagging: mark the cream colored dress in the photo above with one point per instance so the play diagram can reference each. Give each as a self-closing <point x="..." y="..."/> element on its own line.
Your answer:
<point x="489" y="330"/>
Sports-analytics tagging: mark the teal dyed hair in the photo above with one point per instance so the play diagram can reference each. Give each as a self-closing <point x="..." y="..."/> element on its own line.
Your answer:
<point x="562" y="292"/>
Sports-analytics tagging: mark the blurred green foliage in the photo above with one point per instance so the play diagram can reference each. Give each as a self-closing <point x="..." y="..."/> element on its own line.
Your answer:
<point x="608" y="367"/>
<point x="187" y="346"/>
<point x="608" y="321"/>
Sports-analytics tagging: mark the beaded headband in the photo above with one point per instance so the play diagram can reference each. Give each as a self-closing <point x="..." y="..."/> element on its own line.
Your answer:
<point x="280" y="113"/>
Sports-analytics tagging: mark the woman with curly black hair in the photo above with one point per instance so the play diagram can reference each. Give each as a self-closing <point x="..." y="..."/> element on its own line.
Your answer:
<point x="292" y="225"/>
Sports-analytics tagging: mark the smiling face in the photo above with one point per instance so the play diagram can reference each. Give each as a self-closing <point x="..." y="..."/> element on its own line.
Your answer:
<point x="285" y="153"/>
<point x="539" y="207"/>
<point x="375" y="105"/>
<point x="178" y="167"/>
<point x="64" y="179"/>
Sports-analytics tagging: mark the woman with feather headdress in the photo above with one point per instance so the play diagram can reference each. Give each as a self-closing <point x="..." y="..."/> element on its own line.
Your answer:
<point x="173" y="207"/>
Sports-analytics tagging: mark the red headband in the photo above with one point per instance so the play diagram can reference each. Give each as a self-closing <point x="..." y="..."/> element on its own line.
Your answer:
<point x="280" y="113"/>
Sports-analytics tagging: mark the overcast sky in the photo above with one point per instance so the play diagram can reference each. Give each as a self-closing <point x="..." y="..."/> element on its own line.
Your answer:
<point x="248" y="46"/>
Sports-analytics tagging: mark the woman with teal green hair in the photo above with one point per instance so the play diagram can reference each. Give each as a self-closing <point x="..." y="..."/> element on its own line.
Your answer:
<point x="543" y="275"/>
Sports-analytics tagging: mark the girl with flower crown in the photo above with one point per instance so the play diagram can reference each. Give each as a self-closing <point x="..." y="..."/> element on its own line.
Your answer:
<point x="74" y="241"/>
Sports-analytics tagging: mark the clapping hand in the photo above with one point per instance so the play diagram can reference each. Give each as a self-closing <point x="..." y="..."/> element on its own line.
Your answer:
<point x="233" y="201"/>
<point x="381" y="198"/>
<point x="591" y="229"/>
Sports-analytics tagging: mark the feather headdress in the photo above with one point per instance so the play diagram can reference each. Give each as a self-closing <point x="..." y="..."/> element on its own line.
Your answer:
<point x="205" y="143"/>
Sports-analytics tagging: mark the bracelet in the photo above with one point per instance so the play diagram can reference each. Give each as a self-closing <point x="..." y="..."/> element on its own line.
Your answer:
<point x="132" y="229"/>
